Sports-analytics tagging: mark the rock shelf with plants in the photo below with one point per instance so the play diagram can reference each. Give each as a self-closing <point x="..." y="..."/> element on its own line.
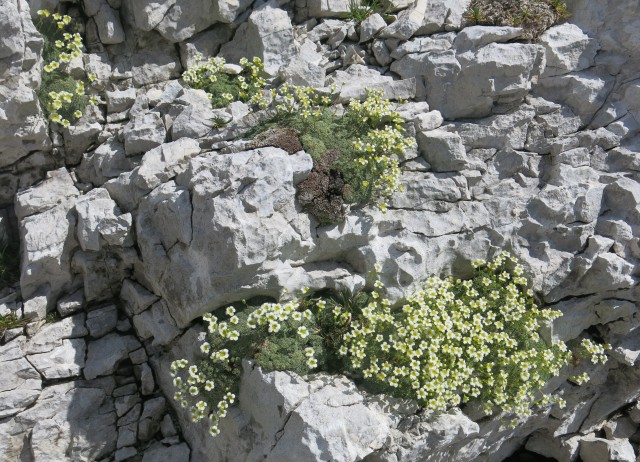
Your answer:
<point x="448" y="343"/>
<point x="355" y="149"/>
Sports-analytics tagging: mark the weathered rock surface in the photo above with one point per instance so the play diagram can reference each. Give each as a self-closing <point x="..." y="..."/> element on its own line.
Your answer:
<point x="267" y="34"/>
<point x="158" y="217"/>
<point x="23" y="127"/>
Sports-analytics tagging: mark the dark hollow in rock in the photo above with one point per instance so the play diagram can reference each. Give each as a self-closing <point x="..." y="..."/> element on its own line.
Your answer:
<point x="283" y="138"/>
<point x="321" y="193"/>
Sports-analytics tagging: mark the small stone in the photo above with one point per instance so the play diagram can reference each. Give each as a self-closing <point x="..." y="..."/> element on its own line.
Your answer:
<point x="428" y="121"/>
<point x="598" y="450"/>
<point x="371" y="26"/>
<point x="102" y="321"/>
<point x="167" y="427"/>
<point x="443" y="150"/>
<point x="125" y="453"/>
<point x="52" y="334"/>
<point x="157" y="323"/>
<point x="125" y="403"/>
<point x="35" y="308"/>
<point x="135" y="297"/>
<point x="149" y="423"/>
<point x="622" y="427"/>
<point x="130" y="389"/>
<point x="106" y="353"/>
<point x="144" y="133"/>
<point x="64" y="361"/>
<point x="120" y="100"/>
<point x="175" y="453"/>
<point x="132" y="416"/>
<point x="138" y="356"/>
<point x="147" y="382"/>
<point x="127" y="435"/>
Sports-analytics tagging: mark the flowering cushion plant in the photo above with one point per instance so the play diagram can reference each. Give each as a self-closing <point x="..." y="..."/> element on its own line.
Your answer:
<point x="449" y="342"/>
<point x="63" y="97"/>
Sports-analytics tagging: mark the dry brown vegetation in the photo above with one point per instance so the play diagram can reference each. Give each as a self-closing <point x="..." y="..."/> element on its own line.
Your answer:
<point x="534" y="16"/>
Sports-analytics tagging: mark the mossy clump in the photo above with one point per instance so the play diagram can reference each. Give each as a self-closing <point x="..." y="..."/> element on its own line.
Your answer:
<point x="534" y="16"/>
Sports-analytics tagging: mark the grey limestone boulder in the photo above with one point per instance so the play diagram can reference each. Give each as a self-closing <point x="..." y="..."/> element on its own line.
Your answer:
<point x="183" y="19"/>
<point x="242" y="211"/>
<point x="69" y="421"/>
<point x="144" y="133"/>
<point x="568" y="49"/>
<point x="100" y="222"/>
<point x="66" y="360"/>
<point x="469" y="84"/>
<point x="47" y="223"/>
<point x="328" y="8"/>
<point x="354" y="82"/>
<point x="267" y="34"/>
<point x="443" y="150"/>
<point x="107" y="161"/>
<point x="192" y="115"/>
<point x="104" y="354"/>
<point x="20" y="384"/>
<point x="370" y="27"/>
<point x="595" y="449"/>
<point x="479" y="36"/>
<point x="592" y="86"/>
<point x="107" y="21"/>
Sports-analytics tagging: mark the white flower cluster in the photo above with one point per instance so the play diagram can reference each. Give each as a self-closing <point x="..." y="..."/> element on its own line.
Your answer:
<point x="307" y="101"/>
<point x="378" y="151"/>
<point x="580" y="379"/>
<point x="457" y="340"/>
<point x="209" y="75"/>
<point x="65" y="46"/>
<point x="190" y="382"/>
<point x="188" y="389"/>
<point x="596" y="350"/>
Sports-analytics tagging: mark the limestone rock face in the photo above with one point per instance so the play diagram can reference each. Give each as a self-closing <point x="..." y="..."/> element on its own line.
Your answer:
<point x="23" y="127"/>
<point x="153" y="210"/>
<point x="470" y="83"/>
<point x="228" y="213"/>
<point x="47" y="223"/>
<point x="568" y="49"/>
<point x="267" y="34"/>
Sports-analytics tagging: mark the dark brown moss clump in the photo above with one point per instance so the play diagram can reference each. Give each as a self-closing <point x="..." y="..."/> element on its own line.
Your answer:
<point x="283" y="138"/>
<point x="321" y="194"/>
<point x="534" y="16"/>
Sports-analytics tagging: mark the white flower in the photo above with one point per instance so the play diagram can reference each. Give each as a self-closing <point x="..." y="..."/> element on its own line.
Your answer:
<point x="303" y="331"/>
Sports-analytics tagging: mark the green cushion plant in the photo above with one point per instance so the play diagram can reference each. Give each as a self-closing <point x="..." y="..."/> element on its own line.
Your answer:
<point x="62" y="97"/>
<point x="450" y="342"/>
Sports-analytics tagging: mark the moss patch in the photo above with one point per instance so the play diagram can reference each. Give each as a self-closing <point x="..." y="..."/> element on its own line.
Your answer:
<point x="534" y="16"/>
